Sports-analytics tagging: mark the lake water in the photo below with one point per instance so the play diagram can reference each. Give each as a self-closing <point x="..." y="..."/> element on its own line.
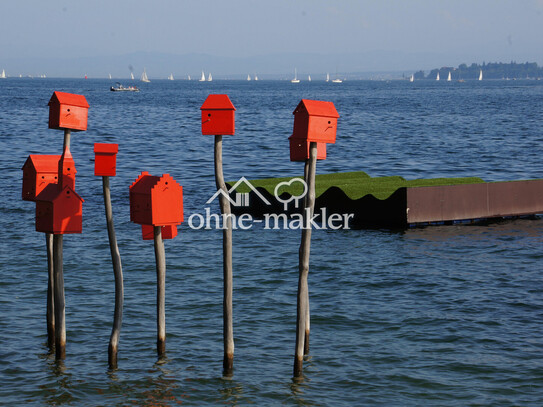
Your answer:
<point x="444" y="315"/>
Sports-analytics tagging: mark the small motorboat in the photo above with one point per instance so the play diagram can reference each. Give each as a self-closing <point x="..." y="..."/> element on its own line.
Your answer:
<point x="120" y="88"/>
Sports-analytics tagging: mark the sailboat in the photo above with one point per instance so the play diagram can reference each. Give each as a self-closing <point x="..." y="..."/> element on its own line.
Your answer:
<point x="170" y="77"/>
<point x="412" y="78"/>
<point x="309" y="78"/>
<point x="109" y="76"/>
<point x="480" y="74"/>
<point x="188" y="77"/>
<point x="3" y="76"/>
<point x="449" y="77"/>
<point x="144" y="77"/>
<point x="209" y="78"/>
<point x="295" y="80"/>
<point x="327" y="77"/>
<point x="437" y="77"/>
<point x="131" y="76"/>
<point x="256" y="77"/>
<point x="202" y="78"/>
<point x="248" y="77"/>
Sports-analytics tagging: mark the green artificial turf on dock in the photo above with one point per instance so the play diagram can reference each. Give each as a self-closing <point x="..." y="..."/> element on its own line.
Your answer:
<point x="354" y="184"/>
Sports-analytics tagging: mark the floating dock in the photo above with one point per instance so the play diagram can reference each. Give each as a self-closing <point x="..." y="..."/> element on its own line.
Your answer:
<point x="409" y="205"/>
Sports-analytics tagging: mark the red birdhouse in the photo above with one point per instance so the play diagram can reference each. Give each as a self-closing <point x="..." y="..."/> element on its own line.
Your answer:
<point x="315" y="120"/>
<point x="59" y="211"/>
<point x="156" y="201"/>
<point x="105" y="159"/>
<point x="299" y="149"/>
<point x="218" y="117"/>
<point x="167" y="232"/>
<point x="66" y="170"/>
<point x="68" y="111"/>
<point x="38" y="172"/>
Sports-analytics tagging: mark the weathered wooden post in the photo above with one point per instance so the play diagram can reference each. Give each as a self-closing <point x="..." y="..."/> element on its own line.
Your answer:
<point x="156" y="203"/>
<point x="302" y="308"/>
<point x="218" y="119"/>
<point x="105" y="166"/>
<point x="50" y="291"/>
<point x="299" y="151"/>
<point x="315" y="124"/>
<point x="160" y="257"/>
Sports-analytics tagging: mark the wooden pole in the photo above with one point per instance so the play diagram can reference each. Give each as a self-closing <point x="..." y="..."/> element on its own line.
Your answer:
<point x="160" y="257"/>
<point x="58" y="284"/>
<point x="58" y="279"/>
<point x="118" y="273"/>
<point x="50" y="291"/>
<point x="228" y="325"/>
<point x="307" y="313"/>
<point x="303" y="264"/>
<point x="67" y="136"/>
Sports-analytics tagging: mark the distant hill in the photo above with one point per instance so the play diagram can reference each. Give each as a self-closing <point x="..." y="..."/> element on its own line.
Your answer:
<point x="492" y="70"/>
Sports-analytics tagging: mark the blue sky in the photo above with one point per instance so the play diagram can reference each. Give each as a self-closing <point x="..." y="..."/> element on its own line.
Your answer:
<point x="457" y="30"/>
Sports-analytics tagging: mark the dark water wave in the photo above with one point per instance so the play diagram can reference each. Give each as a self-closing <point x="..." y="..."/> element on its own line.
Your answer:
<point x="446" y="315"/>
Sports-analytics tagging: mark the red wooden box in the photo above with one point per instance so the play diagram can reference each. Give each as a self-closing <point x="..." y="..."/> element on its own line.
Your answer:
<point x="156" y="201"/>
<point x="315" y="120"/>
<point x="299" y="149"/>
<point x="105" y="159"/>
<point x="168" y="232"/>
<point x="38" y="172"/>
<point x="68" y="111"/>
<point x="218" y="116"/>
<point x="59" y="211"/>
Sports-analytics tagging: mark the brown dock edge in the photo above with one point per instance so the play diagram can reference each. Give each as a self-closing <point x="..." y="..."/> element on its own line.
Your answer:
<point x="414" y="206"/>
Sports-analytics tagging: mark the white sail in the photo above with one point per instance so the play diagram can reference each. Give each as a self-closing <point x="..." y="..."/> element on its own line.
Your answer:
<point x="109" y="76"/>
<point x="256" y="77"/>
<point x="327" y="77"/>
<point x="437" y="77"/>
<point x="295" y="80"/>
<point x="481" y="75"/>
<point x="3" y="74"/>
<point x="209" y="78"/>
<point x="203" y="77"/>
<point x="170" y="77"/>
<point x="412" y="78"/>
<point x="309" y="78"/>
<point x="248" y="77"/>
<point x="144" y="77"/>
<point x="131" y="75"/>
<point x="449" y="77"/>
<point x="188" y="77"/>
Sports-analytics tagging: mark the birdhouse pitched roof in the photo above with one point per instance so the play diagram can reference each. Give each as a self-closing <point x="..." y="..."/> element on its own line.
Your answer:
<point x="72" y="99"/>
<point x="42" y="163"/>
<point x="317" y="108"/>
<point x="143" y="183"/>
<point x="52" y="192"/>
<point x="146" y="183"/>
<point x="218" y="102"/>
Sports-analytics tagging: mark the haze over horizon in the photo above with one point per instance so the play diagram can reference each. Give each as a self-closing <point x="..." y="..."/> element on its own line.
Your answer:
<point x="73" y="38"/>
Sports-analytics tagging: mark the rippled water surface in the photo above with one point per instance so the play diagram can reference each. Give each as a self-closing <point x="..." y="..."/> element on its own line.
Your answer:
<point x="444" y="315"/>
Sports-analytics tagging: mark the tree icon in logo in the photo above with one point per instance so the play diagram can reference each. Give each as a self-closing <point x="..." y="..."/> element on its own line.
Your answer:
<point x="296" y="198"/>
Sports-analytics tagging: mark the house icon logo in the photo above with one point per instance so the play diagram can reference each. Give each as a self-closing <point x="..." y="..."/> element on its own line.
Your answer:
<point x="241" y="199"/>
